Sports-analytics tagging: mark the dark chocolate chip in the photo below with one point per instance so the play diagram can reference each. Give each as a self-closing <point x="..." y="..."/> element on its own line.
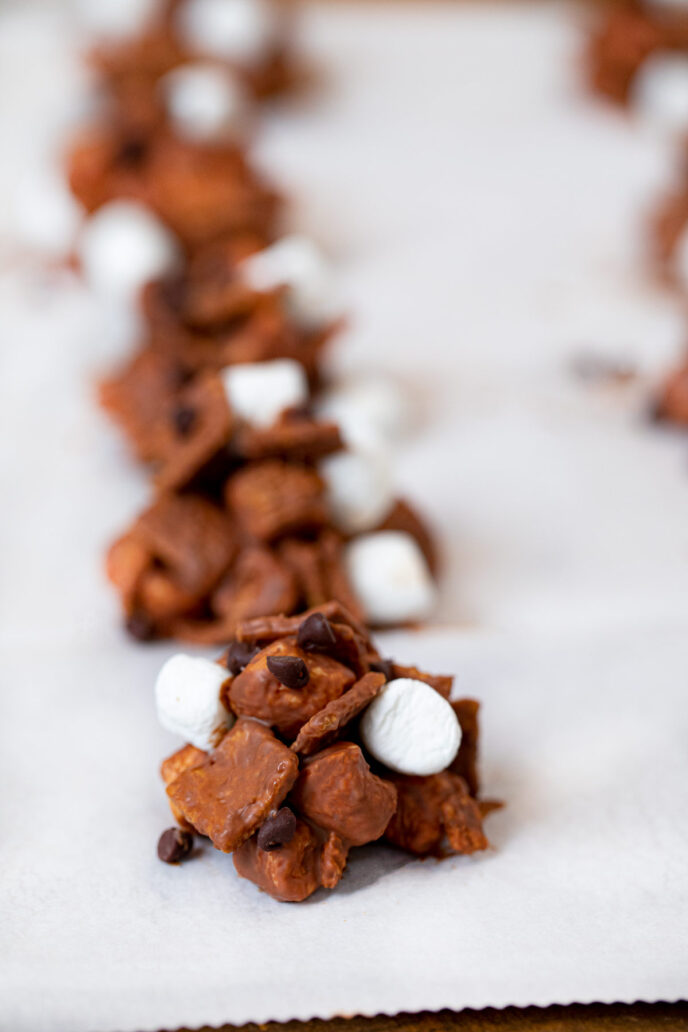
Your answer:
<point x="316" y="634"/>
<point x="278" y="830"/>
<point x="290" y="671"/>
<point x="174" y="845"/>
<point x="239" y="655"/>
<point x="184" y="418"/>
<point x="384" y="666"/>
<point x="139" y="626"/>
<point x="132" y="152"/>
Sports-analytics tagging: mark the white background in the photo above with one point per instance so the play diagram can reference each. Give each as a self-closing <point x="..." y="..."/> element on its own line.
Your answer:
<point x="486" y="219"/>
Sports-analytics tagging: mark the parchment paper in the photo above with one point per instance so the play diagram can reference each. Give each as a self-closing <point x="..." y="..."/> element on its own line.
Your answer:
<point x="485" y="219"/>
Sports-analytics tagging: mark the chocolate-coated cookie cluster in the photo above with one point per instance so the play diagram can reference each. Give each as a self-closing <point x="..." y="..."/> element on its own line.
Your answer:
<point x="303" y="743"/>
<point x="274" y="527"/>
<point x="271" y="488"/>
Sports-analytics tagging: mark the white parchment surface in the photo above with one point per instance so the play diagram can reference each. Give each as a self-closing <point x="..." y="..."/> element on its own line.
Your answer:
<point x="485" y="218"/>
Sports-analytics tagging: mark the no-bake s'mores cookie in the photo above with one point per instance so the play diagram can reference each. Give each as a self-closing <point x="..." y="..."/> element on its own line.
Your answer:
<point x="233" y="303"/>
<point x="303" y="743"/>
<point x="639" y="56"/>
<point x="174" y="118"/>
<point x="247" y="41"/>
<point x="283" y="535"/>
<point x="202" y="192"/>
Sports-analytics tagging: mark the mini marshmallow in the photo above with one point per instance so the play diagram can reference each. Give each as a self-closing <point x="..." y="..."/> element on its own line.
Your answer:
<point x="232" y="30"/>
<point x="390" y="577"/>
<point x="410" y="728"/>
<point x="118" y="18"/>
<point x="46" y="214"/>
<point x="204" y="102"/>
<point x="296" y="263"/>
<point x="360" y="490"/>
<point x="187" y="697"/>
<point x="367" y="409"/>
<point x="122" y="247"/>
<point x="259" y="392"/>
<point x="660" y="91"/>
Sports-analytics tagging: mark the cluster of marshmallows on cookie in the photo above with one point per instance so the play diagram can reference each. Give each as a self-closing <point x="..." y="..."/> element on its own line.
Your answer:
<point x="124" y="245"/>
<point x="408" y="727"/>
<point x="238" y="31"/>
<point x="386" y="568"/>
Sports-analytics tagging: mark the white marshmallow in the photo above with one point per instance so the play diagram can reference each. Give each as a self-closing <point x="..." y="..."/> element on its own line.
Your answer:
<point x="259" y="392"/>
<point x="115" y="17"/>
<point x="233" y="30"/>
<point x="296" y="263"/>
<point x="367" y="409"/>
<point x="390" y="577"/>
<point x="360" y="489"/>
<point x="47" y="216"/>
<point x="410" y="728"/>
<point x="187" y="697"/>
<point x="122" y="246"/>
<point x="204" y="102"/>
<point x="660" y="91"/>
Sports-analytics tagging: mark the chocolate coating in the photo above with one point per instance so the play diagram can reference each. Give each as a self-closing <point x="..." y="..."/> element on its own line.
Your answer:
<point x="323" y="728"/>
<point x="289" y="874"/>
<point x="433" y="811"/>
<point x="337" y="791"/>
<point x="232" y="792"/>
<point x="256" y="692"/>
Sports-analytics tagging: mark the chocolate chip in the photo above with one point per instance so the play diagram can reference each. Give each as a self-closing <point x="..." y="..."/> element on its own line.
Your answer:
<point x="239" y="655"/>
<point x="278" y="830"/>
<point x="290" y="671"/>
<point x="174" y="845"/>
<point x="132" y="151"/>
<point x="140" y="627"/>
<point x="183" y="418"/>
<point x="384" y="666"/>
<point x="316" y="634"/>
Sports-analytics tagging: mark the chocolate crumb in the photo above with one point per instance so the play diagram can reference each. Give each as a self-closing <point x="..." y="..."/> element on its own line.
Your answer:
<point x="140" y="627"/>
<point x="384" y="666"/>
<point x="239" y="655"/>
<point x="184" y="418"/>
<point x="290" y="671"/>
<point x="278" y="830"/>
<point x="174" y="845"/>
<point x="316" y="634"/>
